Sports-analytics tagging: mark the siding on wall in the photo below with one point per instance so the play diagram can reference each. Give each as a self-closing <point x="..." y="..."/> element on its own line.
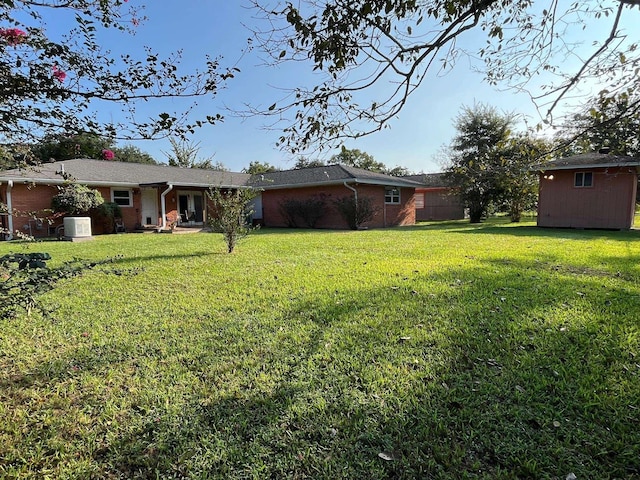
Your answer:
<point x="609" y="203"/>
<point x="388" y="215"/>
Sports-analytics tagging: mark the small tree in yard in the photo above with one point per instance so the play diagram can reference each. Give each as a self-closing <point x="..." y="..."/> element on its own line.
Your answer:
<point x="231" y="212"/>
<point x="356" y="212"/>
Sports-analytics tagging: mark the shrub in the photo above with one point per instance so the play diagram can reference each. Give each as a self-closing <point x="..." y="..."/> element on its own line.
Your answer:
<point x="309" y="211"/>
<point x="75" y="199"/>
<point x="355" y="212"/>
<point x="108" y="212"/>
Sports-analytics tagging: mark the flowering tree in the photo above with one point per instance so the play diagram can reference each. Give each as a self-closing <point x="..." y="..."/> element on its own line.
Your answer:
<point x="55" y="85"/>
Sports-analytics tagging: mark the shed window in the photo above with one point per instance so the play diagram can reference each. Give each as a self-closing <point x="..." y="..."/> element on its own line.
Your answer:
<point x="391" y="195"/>
<point x="122" y="197"/>
<point x="419" y="200"/>
<point x="583" y="179"/>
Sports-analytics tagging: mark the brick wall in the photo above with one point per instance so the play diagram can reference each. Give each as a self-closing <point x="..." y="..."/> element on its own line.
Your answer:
<point x="387" y="215"/>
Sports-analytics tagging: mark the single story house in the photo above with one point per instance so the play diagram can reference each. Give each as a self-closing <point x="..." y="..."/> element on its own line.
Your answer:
<point x="156" y="196"/>
<point x="391" y="197"/>
<point x="591" y="190"/>
<point x="150" y="196"/>
<point x="435" y="199"/>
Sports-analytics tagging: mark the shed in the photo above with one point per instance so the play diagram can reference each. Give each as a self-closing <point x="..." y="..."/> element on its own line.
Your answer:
<point x="591" y="190"/>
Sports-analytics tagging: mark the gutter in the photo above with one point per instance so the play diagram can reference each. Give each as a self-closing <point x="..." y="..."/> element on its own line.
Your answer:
<point x="164" y="205"/>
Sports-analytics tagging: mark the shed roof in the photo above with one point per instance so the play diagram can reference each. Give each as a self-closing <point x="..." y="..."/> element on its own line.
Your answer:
<point x="327" y="175"/>
<point x="103" y="172"/>
<point x="590" y="160"/>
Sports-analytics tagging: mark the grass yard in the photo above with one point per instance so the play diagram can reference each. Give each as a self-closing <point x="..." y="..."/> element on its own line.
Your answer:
<point x="444" y="351"/>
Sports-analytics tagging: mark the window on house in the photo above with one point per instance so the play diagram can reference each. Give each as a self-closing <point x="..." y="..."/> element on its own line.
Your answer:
<point x="391" y="195"/>
<point x="122" y="197"/>
<point x="583" y="179"/>
<point x="419" y="198"/>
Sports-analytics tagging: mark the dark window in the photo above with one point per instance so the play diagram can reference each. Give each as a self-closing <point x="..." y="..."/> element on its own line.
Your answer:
<point x="391" y="195"/>
<point x="583" y="179"/>
<point x="122" y="197"/>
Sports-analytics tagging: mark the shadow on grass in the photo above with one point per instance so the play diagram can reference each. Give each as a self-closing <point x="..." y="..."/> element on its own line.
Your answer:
<point x="503" y="371"/>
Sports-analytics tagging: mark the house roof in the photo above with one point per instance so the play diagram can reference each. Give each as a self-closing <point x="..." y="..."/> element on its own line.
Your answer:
<point x="326" y="175"/>
<point x="430" y="180"/>
<point x="124" y="174"/>
<point x="590" y="160"/>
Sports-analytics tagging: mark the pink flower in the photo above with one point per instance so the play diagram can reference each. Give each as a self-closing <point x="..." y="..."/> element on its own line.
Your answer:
<point x="59" y="74"/>
<point x="108" y="154"/>
<point x="13" y="36"/>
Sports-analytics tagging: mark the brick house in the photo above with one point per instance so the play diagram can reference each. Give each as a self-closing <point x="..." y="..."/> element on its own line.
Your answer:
<point x="391" y="197"/>
<point x="592" y="190"/>
<point x="156" y="196"/>
<point x="150" y="196"/>
<point x="435" y="199"/>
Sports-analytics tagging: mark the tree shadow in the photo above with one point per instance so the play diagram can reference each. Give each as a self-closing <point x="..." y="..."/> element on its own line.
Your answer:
<point x="504" y="370"/>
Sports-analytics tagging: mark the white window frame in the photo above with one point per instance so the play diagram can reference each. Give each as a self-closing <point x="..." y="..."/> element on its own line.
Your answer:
<point x="581" y="182"/>
<point x="129" y="198"/>
<point x="419" y="199"/>
<point x="393" y="194"/>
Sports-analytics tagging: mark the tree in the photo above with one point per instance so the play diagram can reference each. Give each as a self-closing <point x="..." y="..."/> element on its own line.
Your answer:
<point x="185" y="154"/>
<point x="477" y="157"/>
<point x="257" y="168"/>
<point x="231" y="210"/>
<point x="66" y="147"/>
<point x="375" y="53"/>
<point x="518" y="181"/>
<point x="132" y="154"/>
<point x="303" y="162"/>
<point x="608" y="120"/>
<point x="53" y="84"/>
<point x="358" y="159"/>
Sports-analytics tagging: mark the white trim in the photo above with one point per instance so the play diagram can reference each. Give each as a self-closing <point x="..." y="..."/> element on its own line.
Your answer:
<point x="129" y="190"/>
<point x="391" y="195"/>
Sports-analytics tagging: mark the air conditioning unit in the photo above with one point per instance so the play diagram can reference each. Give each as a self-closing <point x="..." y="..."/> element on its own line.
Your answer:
<point x="77" y="227"/>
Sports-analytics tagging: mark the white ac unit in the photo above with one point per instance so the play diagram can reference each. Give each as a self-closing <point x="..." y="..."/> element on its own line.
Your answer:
<point x="75" y="227"/>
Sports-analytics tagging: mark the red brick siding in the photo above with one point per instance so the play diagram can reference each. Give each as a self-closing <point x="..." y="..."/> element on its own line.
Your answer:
<point x="609" y="203"/>
<point x="388" y="215"/>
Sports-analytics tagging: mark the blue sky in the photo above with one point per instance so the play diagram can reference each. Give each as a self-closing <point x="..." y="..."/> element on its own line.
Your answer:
<point x="200" y="27"/>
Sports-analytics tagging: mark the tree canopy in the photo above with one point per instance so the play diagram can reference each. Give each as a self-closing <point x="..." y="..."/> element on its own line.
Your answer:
<point x="490" y="166"/>
<point x="363" y="45"/>
<point x="55" y="84"/>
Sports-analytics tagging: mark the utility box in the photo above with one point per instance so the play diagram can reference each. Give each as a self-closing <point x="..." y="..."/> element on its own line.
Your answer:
<point x="77" y="228"/>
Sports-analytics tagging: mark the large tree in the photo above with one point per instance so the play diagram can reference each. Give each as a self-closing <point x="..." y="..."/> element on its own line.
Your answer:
<point x="55" y="84"/>
<point x="477" y="157"/>
<point x="375" y="53"/>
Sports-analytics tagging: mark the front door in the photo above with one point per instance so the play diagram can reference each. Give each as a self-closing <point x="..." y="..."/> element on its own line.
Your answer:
<point x="149" y="206"/>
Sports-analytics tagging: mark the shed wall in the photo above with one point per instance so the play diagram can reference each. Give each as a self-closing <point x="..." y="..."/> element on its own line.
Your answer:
<point x="609" y="203"/>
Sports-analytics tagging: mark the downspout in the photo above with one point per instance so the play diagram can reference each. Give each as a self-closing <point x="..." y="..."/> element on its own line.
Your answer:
<point x="10" y="210"/>
<point x="164" y="206"/>
<point x="355" y="194"/>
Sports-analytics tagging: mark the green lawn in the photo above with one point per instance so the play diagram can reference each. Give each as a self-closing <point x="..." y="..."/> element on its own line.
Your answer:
<point x="432" y="352"/>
